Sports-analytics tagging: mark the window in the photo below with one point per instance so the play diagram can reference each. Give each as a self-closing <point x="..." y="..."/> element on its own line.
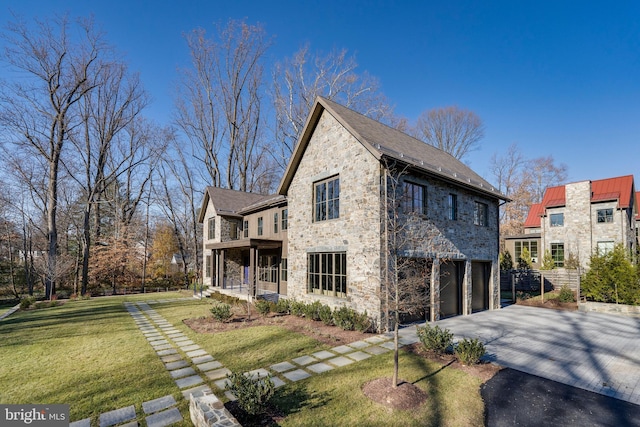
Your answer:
<point x="453" y="207"/>
<point x="284" y="271"/>
<point x="414" y="198"/>
<point x="327" y="199"/>
<point x="557" y="253"/>
<point x="233" y="230"/>
<point x="212" y="228"/>
<point x="245" y="228"/>
<point x="207" y="266"/>
<point x="531" y="246"/>
<point x="327" y="274"/>
<point x="259" y="226"/>
<point x="285" y="219"/>
<point x="557" y="219"/>
<point x="275" y="222"/>
<point x="268" y="268"/>
<point x="605" y="247"/>
<point x="605" y="215"/>
<point x="480" y="214"/>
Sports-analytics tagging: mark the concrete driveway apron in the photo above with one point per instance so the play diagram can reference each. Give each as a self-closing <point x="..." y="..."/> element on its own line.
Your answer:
<point x="593" y="351"/>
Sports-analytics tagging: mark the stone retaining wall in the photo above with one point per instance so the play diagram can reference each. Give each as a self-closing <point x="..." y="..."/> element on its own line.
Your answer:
<point x="208" y="410"/>
<point x="601" y="307"/>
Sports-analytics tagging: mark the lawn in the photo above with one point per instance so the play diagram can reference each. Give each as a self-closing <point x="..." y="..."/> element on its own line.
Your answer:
<point x="91" y="355"/>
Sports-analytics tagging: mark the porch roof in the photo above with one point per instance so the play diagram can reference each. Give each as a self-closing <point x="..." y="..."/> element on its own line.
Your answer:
<point x="245" y="243"/>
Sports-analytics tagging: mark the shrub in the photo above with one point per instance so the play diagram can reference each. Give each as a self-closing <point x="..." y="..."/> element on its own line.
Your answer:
<point x="224" y="298"/>
<point x="253" y="394"/>
<point x="282" y="306"/>
<point x="547" y="261"/>
<point x="297" y="308"/>
<point x="46" y="304"/>
<point x="506" y="262"/>
<point x="312" y="311"/>
<point x="221" y="312"/>
<point x="566" y="294"/>
<point x="263" y="307"/>
<point x="434" y="338"/>
<point x="26" y="302"/>
<point x="469" y="351"/>
<point x="326" y="315"/>
<point x="343" y="318"/>
<point x="612" y="278"/>
<point x="362" y="323"/>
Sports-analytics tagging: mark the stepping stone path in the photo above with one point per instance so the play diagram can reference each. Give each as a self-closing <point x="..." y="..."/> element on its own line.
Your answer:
<point x="193" y="368"/>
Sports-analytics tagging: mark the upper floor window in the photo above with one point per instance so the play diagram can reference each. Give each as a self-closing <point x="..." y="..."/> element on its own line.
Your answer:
<point x="233" y="230"/>
<point x="259" y="226"/>
<point x="605" y="215"/>
<point x="285" y="219"/>
<point x="414" y="198"/>
<point x="453" y="207"/>
<point x="480" y="216"/>
<point x="245" y="228"/>
<point x="557" y="219"/>
<point x="212" y="228"/>
<point x="327" y="199"/>
<point x="275" y="222"/>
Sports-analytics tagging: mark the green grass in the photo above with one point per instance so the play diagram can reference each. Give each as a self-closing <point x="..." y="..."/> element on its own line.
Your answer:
<point x="91" y="355"/>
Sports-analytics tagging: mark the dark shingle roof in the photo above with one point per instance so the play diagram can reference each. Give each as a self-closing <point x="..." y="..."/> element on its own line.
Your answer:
<point x="384" y="141"/>
<point x="230" y="202"/>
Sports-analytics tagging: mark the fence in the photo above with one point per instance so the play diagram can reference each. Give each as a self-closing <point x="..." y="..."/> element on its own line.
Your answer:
<point x="529" y="281"/>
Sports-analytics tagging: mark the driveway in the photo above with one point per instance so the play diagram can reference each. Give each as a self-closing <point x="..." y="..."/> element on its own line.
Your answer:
<point x="592" y="351"/>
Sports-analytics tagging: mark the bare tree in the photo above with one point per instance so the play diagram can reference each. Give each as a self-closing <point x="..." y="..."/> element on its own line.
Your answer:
<point x="297" y="81"/>
<point x="39" y="111"/>
<point x="545" y="173"/>
<point x="219" y="106"/>
<point x="451" y="129"/>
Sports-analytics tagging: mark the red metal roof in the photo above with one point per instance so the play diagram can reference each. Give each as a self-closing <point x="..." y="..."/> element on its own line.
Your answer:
<point x="533" y="218"/>
<point x="620" y="189"/>
<point x="553" y="197"/>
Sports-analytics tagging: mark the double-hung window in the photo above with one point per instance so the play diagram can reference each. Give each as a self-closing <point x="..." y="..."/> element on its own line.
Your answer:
<point x="285" y="219"/>
<point x="275" y="223"/>
<point x="414" y="198"/>
<point x="260" y="225"/>
<point x="212" y="228"/>
<point x="453" y="207"/>
<point x="326" y="199"/>
<point x="480" y="216"/>
<point x="245" y="228"/>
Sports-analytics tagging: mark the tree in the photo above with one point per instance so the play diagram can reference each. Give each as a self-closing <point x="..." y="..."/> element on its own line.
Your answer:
<point x="612" y="278"/>
<point x="39" y="111"/>
<point x="219" y="105"/>
<point x="525" y="261"/>
<point x="164" y="246"/>
<point x="506" y="261"/>
<point x="451" y="129"/>
<point x="298" y="80"/>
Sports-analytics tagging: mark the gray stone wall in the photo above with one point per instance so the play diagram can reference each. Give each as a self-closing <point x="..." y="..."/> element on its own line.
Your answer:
<point x="333" y="151"/>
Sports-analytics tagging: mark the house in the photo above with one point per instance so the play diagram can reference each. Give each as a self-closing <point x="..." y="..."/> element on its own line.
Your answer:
<point x="334" y="195"/>
<point x="530" y="240"/>
<point x="575" y="220"/>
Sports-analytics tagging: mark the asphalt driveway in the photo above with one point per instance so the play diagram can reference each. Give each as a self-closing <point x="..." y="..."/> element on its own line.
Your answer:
<point x="592" y="351"/>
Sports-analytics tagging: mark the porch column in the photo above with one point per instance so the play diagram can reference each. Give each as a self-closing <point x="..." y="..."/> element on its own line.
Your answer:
<point x="221" y="278"/>
<point x="253" y="254"/>
<point x="434" y="312"/>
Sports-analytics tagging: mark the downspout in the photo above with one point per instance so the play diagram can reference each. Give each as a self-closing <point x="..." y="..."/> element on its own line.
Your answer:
<point x="386" y="245"/>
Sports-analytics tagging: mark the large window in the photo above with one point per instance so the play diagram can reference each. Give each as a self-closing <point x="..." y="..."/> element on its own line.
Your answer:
<point x="531" y="246"/>
<point x="480" y="216"/>
<point x="245" y="228"/>
<point x="285" y="219"/>
<point x="268" y="268"/>
<point x="605" y="215"/>
<point x="453" y="207"/>
<point x="414" y="198"/>
<point x="557" y="219"/>
<point x="327" y="199"/>
<point x="212" y="228"/>
<point x="327" y="274"/>
<point x="605" y="247"/>
<point x="557" y="253"/>
<point x="260" y="225"/>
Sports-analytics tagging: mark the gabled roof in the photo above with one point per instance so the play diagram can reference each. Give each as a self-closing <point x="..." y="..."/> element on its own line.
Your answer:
<point x="533" y="218"/>
<point x="383" y="141"/>
<point x="229" y="202"/>
<point x="602" y="190"/>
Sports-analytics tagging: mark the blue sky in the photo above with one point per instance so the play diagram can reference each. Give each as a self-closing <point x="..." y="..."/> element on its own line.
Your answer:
<point x="559" y="78"/>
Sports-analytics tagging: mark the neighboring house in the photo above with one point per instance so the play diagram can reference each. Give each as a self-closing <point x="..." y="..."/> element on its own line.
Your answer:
<point x="581" y="218"/>
<point x="333" y="195"/>
<point x="529" y="240"/>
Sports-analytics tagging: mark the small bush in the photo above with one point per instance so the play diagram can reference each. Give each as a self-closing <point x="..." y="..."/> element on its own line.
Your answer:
<point x="221" y="312"/>
<point x="282" y="306"/>
<point x="326" y="315"/>
<point x="343" y="318"/>
<point x="46" y="304"/>
<point x="312" y="311"/>
<point x="26" y="302"/>
<point x="263" y="307"/>
<point x="362" y="323"/>
<point x="566" y="294"/>
<point x="469" y="351"/>
<point x="434" y="338"/>
<point x="297" y="308"/>
<point x="227" y="299"/>
<point x="253" y="394"/>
